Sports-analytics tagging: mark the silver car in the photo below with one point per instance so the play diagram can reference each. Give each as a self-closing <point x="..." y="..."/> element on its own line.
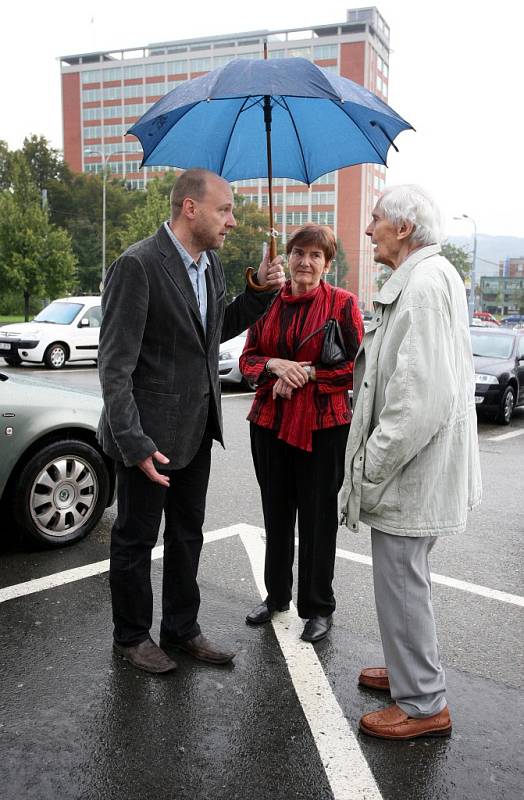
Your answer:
<point x="54" y="479"/>
<point x="228" y="369"/>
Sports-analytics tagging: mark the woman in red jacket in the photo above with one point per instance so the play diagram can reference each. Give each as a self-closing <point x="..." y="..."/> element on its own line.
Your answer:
<point x="299" y="426"/>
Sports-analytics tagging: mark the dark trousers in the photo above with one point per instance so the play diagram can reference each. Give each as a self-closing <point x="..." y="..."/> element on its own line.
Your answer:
<point x="293" y="481"/>
<point x="134" y="534"/>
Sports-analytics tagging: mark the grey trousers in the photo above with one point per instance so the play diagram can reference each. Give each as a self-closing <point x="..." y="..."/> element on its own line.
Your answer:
<point x="402" y="584"/>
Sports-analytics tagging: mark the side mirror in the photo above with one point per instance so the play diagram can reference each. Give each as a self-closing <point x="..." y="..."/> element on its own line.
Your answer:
<point x="84" y="323"/>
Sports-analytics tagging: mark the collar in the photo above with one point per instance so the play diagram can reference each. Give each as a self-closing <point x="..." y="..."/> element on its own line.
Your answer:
<point x="398" y="279"/>
<point x="203" y="261"/>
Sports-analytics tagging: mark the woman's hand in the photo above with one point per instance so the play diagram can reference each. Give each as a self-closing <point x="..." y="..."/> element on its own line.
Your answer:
<point x="292" y="373"/>
<point x="281" y="389"/>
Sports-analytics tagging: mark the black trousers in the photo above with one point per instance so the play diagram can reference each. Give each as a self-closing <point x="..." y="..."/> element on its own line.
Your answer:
<point x="292" y="482"/>
<point x="134" y="534"/>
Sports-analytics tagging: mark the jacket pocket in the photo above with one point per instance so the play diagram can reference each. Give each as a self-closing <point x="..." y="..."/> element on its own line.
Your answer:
<point x="380" y="498"/>
<point x="158" y="413"/>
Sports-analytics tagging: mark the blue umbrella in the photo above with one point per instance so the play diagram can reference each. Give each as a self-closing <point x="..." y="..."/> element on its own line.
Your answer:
<point x="283" y="117"/>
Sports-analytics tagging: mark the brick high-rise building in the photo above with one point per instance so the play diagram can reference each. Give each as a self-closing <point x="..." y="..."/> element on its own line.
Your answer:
<point x="104" y="93"/>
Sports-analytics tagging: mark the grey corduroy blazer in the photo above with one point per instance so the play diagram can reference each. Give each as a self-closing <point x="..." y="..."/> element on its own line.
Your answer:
<point x="158" y="368"/>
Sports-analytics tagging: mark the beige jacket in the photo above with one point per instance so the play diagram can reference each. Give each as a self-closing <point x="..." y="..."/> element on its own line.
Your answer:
<point x="412" y="461"/>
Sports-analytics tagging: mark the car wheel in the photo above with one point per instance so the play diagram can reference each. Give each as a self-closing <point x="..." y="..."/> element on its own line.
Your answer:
<point x="507" y="404"/>
<point x="55" y="356"/>
<point x="248" y="385"/>
<point x="13" y="361"/>
<point x="61" y="493"/>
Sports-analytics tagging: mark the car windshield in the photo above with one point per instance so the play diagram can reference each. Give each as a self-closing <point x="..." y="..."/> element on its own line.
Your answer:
<point x="59" y="313"/>
<point x="489" y="346"/>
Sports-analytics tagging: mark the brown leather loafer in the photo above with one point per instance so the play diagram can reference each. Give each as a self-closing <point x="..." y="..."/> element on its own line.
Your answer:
<point x="146" y="655"/>
<point x="374" y="678"/>
<point x="200" y="648"/>
<point x="393" y="723"/>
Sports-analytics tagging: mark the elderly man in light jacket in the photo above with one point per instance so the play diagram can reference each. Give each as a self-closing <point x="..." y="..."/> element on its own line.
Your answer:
<point x="412" y="464"/>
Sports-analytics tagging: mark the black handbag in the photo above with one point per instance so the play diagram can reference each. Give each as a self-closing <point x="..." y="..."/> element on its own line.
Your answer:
<point x="333" y="348"/>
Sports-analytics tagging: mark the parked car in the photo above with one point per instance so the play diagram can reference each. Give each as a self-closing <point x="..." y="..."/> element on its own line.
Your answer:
<point x="512" y="320"/>
<point x="498" y="354"/>
<point x="66" y="330"/>
<point x="485" y="316"/>
<point x="54" y="478"/>
<point x="230" y="352"/>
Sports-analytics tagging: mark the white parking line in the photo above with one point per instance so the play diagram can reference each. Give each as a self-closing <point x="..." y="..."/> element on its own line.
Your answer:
<point x="346" y="768"/>
<point x="89" y="570"/>
<point x="502" y="436"/>
<point x="464" y="586"/>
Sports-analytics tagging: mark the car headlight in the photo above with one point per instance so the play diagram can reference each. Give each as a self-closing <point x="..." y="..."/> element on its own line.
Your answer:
<point x="486" y="379"/>
<point x="225" y="356"/>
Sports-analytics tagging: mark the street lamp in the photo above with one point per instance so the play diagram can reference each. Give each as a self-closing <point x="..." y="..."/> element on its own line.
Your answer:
<point x="473" y="278"/>
<point x="105" y="160"/>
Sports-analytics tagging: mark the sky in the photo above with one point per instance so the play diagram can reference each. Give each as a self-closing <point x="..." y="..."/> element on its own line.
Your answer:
<point x="456" y="73"/>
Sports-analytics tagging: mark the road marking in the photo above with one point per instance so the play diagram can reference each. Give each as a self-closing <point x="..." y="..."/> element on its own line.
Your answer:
<point x="89" y="570"/>
<point x="464" y="586"/>
<point x="502" y="436"/>
<point x="346" y="768"/>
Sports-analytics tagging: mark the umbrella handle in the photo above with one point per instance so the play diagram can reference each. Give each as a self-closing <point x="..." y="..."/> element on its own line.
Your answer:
<point x="266" y="287"/>
<point x="256" y="287"/>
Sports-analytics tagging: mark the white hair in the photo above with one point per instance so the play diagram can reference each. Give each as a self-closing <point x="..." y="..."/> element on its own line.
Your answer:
<point x="412" y="203"/>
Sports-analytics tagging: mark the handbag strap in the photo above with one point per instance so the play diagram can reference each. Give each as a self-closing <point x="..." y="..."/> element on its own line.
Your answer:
<point x="322" y="327"/>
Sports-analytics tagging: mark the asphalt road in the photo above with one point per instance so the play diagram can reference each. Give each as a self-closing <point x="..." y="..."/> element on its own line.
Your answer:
<point x="281" y="722"/>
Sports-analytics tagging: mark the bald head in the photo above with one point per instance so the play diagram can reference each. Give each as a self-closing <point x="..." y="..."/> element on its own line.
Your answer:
<point x="193" y="184"/>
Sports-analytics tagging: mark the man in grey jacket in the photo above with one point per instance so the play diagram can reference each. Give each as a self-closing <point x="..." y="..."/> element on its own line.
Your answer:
<point x="164" y="316"/>
<point x="412" y="462"/>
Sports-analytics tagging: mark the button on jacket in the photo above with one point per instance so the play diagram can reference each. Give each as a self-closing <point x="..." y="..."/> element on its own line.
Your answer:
<point x="412" y="462"/>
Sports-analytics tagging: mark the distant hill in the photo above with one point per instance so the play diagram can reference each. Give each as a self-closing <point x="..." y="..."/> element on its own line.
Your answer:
<point x="490" y="250"/>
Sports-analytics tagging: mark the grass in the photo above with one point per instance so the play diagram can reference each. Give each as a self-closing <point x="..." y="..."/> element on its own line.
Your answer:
<point x="6" y="320"/>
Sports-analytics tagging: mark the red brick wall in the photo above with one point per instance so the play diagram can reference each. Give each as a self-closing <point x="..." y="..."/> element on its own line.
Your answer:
<point x="72" y="121"/>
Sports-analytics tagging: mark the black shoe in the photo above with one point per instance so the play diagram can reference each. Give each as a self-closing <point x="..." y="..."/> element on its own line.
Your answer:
<point x="146" y="655"/>
<point x="264" y="612"/>
<point x="200" y="648"/>
<point x="316" y="628"/>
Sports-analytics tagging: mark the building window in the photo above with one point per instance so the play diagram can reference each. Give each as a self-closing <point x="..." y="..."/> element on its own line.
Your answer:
<point x="91" y="76"/>
<point x="155" y="89"/>
<point x="299" y="52"/>
<point x="157" y="69"/>
<point x="325" y="51"/>
<point x="91" y="95"/>
<point x="137" y="90"/>
<point x="91" y="113"/>
<point x="112" y="74"/>
<point x="133" y="72"/>
<point x="177" y="67"/>
<point x="200" y="64"/>
<point x="109" y="112"/>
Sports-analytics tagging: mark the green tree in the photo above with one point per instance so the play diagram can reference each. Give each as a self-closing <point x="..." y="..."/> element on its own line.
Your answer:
<point x="144" y="220"/>
<point x="45" y="163"/>
<point x="244" y="245"/>
<point x="36" y="257"/>
<point x="339" y="268"/>
<point x="75" y="203"/>
<point x="459" y="257"/>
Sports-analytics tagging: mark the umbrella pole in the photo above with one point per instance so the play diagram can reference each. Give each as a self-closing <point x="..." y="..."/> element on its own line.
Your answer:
<point x="272" y="238"/>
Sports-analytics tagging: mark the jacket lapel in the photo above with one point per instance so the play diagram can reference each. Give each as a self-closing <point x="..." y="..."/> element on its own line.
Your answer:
<point x="211" y="298"/>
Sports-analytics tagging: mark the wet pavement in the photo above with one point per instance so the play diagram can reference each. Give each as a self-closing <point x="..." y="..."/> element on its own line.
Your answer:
<point x="78" y="722"/>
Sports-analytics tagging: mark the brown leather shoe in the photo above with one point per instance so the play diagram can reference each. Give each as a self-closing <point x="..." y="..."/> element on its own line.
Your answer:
<point x="146" y="655"/>
<point x="393" y="723"/>
<point x="200" y="648"/>
<point x="374" y="678"/>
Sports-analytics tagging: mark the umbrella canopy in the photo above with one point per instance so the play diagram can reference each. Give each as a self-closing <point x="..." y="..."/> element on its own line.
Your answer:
<point x="319" y="122"/>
